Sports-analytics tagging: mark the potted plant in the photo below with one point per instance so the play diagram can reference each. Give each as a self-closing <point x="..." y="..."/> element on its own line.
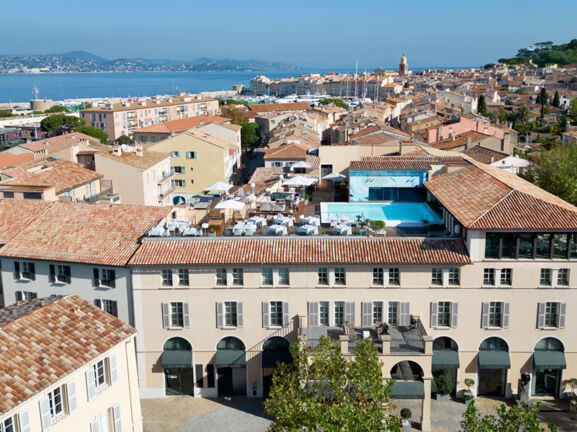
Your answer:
<point x="405" y="419"/>
<point x="573" y="397"/>
<point x="468" y="395"/>
<point x="444" y="385"/>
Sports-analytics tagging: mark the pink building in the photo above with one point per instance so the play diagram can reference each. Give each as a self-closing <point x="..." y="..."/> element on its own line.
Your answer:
<point x="125" y="117"/>
<point x="446" y="131"/>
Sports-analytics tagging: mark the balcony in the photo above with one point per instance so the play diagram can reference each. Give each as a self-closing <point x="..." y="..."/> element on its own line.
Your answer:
<point x="166" y="193"/>
<point x="167" y="175"/>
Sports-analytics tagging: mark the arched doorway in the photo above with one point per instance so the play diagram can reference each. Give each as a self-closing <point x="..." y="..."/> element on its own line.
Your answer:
<point x="549" y="362"/>
<point x="230" y="361"/>
<point x="177" y="364"/>
<point x="445" y="360"/>
<point x="274" y="350"/>
<point x="494" y="363"/>
<point x="409" y="381"/>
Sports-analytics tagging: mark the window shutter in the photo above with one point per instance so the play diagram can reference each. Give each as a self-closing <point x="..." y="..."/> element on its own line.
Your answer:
<point x="506" y="315"/>
<point x="541" y="315"/>
<point x="32" y="271"/>
<point x="313" y="314"/>
<point x="95" y="425"/>
<point x="112" y="278"/>
<point x="285" y="314"/>
<point x="266" y="314"/>
<point x="350" y="313"/>
<point x="485" y="315"/>
<point x="113" y="370"/>
<point x="96" y="277"/>
<point x="405" y="316"/>
<point x="434" y="315"/>
<point x="98" y="303"/>
<point x="24" y="421"/>
<point x="185" y="316"/>
<point x="166" y="315"/>
<point x="219" y="315"/>
<point x="366" y="314"/>
<point x="117" y="418"/>
<point x="454" y="314"/>
<point x="71" y="394"/>
<point x="19" y="296"/>
<point x="90" y="388"/>
<point x="52" y="273"/>
<point x="561" y="315"/>
<point x="45" y="414"/>
<point x="17" y="274"/>
<point x="67" y="273"/>
<point x="239" y="315"/>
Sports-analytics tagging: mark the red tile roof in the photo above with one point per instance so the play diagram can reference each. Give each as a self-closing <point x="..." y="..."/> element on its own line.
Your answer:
<point x="8" y="159"/>
<point x="293" y="106"/>
<point x="44" y="340"/>
<point x="317" y="250"/>
<point x="288" y="151"/>
<point x="58" y="143"/>
<point x="419" y="163"/>
<point x="15" y="215"/>
<point x="266" y="174"/>
<point x="86" y="233"/>
<point x="181" y="125"/>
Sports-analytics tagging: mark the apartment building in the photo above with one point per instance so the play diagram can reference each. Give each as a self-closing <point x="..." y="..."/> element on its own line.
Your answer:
<point x="117" y="119"/>
<point x="158" y="132"/>
<point x="67" y="366"/>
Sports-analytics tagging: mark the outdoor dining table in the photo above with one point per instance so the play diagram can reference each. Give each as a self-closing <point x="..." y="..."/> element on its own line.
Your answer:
<point x="278" y="229"/>
<point x="308" y="230"/>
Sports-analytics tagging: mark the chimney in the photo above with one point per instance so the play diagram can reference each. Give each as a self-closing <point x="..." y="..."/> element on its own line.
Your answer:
<point x="492" y="160"/>
<point x="117" y="150"/>
<point x="139" y="151"/>
<point x="469" y="143"/>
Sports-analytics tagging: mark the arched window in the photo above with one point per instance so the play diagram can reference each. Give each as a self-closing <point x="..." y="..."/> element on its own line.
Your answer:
<point x="445" y="344"/>
<point x="494" y="344"/>
<point x="549" y="344"/>
<point x="177" y="344"/>
<point x="230" y="343"/>
<point x="276" y="343"/>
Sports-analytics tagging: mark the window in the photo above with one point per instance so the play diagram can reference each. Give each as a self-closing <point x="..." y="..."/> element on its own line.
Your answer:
<point x="175" y="154"/>
<point x="8" y="195"/>
<point x="221" y="276"/>
<point x="551" y="312"/>
<point x="495" y="314"/>
<point x="454" y="276"/>
<point x="166" y="277"/>
<point x="276" y="314"/>
<point x="178" y="169"/>
<point x="105" y="278"/>
<point x="110" y="306"/>
<point x="24" y="270"/>
<point x="444" y="314"/>
<point x="237" y="276"/>
<point x="7" y="425"/>
<point x="545" y="278"/>
<point x="55" y="403"/>
<point x="283" y="276"/>
<point x="339" y="307"/>
<point x="176" y="314"/>
<point x="99" y="371"/>
<point x="267" y="276"/>
<point x="377" y="312"/>
<point x="393" y="313"/>
<point x="394" y="276"/>
<point x="324" y="314"/>
<point x="506" y="276"/>
<point x="191" y="155"/>
<point x="179" y="183"/>
<point x="489" y="276"/>
<point x="25" y="295"/>
<point x="543" y="249"/>
<point x="437" y="276"/>
<point x="323" y="276"/>
<point x="183" y="279"/>
<point x="378" y="276"/>
<point x="563" y="277"/>
<point x="340" y="278"/>
<point x="230" y="314"/>
<point x="32" y="195"/>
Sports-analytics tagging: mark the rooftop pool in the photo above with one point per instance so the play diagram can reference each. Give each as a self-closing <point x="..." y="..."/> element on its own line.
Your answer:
<point x="395" y="214"/>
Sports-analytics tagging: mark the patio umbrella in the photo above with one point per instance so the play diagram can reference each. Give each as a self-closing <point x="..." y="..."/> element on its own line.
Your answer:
<point x="299" y="181"/>
<point x="334" y="177"/>
<point x="229" y="204"/>
<point x="302" y="164"/>
<point x="219" y="186"/>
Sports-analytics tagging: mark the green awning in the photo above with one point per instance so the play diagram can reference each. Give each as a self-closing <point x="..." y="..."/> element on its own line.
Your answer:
<point x="549" y="360"/>
<point x="408" y="390"/>
<point x="445" y="358"/>
<point x="230" y="358"/>
<point x="270" y="358"/>
<point x="176" y="359"/>
<point x="494" y="360"/>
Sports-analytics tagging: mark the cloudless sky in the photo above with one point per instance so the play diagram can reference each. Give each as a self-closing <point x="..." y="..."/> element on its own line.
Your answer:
<point x="310" y="33"/>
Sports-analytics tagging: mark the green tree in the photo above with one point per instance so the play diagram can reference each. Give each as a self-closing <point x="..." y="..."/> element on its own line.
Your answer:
<point x="542" y="97"/>
<point x="507" y="419"/>
<point x="338" y="102"/>
<point x="482" y="106"/>
<point x="234" y="114"/>
<point x="6" y="113"/>
<point x="57" y="109"/>
<point x="250" y="135"/>
<point x="322" y="390"/>
<point x="93" y="132"/>
<point x="60" y="123"/>
<point x="556" y="102"/>
<point x="123" y="139"/>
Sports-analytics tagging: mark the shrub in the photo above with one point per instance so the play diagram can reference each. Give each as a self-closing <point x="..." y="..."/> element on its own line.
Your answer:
<point x="377" y="225"/>
<point x="406" y="413"/>
<point x="469" y="382"/>
<point x="444" y="384"/>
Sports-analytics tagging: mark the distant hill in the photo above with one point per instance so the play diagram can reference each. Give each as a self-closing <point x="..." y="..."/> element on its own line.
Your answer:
<point x="544" y="53"/>
<point x="83" y="61"/>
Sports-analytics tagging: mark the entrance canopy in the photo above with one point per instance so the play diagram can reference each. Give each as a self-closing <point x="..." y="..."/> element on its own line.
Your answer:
<point x="176" y="359"/>
<point x="230" y="358"/>
<point x="549" y="360"/>
<point x="494" y="360"/>
<point x="408" y="390"/>
<point x="445" y="358"/>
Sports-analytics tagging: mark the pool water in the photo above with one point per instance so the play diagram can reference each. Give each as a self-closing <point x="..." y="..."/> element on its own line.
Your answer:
<point x="393" y="213"/>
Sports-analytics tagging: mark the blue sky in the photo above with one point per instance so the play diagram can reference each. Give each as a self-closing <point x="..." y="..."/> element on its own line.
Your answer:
<point x="313" y="33"/>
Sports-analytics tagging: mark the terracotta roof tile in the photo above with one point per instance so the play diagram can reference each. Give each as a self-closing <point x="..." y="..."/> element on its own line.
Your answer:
<point x="293" y="106"/>
<point x="58" y="143"/>
<point x="181" y="125"/>
<point x="8" y="159"/>
<point x="266" y="174"/>
<point x="16" y="215"/>
<point x="288" y="151"/>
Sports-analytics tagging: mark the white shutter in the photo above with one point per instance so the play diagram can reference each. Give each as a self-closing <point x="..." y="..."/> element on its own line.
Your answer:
<point x="285" y="314"/>
<point x="485" y="315"/>
<point x="561" y="315"/>
<point x="95" y="425"/>
<point x="239" y="315"/>
<point x="219" y="315"/>
<point x="165" y="315"/>
<point x="45" y="414"/>
<point x="405" y="316"/>
<point x="313" y="314"/>
<point x="506" y="307"/>
<point x="366" y="314"/>
<point x="90" y="387"/>
<point x="434" y="315"/>
<point x="541" y="315"/>
<point x="266" y="314"/>
<point x="117" y="418"/>
<point x="71" y="394"/>
<point x="350" y="313"/>
<point x="24" y="421"/>
<point x="112" y="369"/>
<point x="454" y="314"/>
<point x="185" y="316"/>
<point x="105" y="421"/>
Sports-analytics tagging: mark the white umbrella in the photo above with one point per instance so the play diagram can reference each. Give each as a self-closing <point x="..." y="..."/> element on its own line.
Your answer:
<point x="334" y="177"/>
<point x="302" y="164"/>
<point x="229" y="204"/>
<point x="299" y="181"/>
<point x="219" y="186"/>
